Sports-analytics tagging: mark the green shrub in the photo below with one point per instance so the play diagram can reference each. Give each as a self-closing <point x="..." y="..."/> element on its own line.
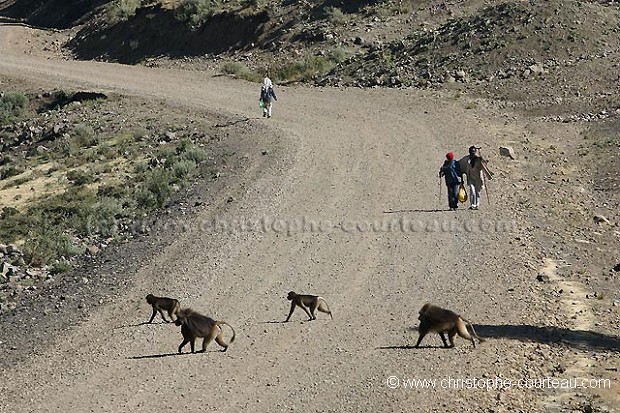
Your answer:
<point x="46" y="237"/>
<point x="60" y="267"/>
<point x="184" y="168"/>
<point x="67" y="148"/>
<point x="241" y="71"/>
<point x="68" y="211"/>
<point x="197" y="12"/>
<point x="12" y="106"/>
<point x="20" y="181"/>
<point x="47" y="244"/>
<point x="80" y="146"/>
<point x="145" y="199"/>
<point x="306" y="69"/>
<point x="156" y="189"/>
<point x="78" y="177"/>
<point x="293" y="71"/>
<point x="84" y="135"/>
<point x="251" y="3"/>
<point x="195" y="154"/>
<point x="103" y="217"/>
<point x="112" y="191"/>
<point x="187" y="150"/>
<point x="166" y="154"/>
<point x="121" y="10"/>
<point x="46" y="226"/>
<point x="335" y="15"/>
<point x="139" y="134"/>
<point x="141" y="167"/>
<point x="9" y="170"/>
<point x="339" y="55"/>
<point x="13" y="225"/>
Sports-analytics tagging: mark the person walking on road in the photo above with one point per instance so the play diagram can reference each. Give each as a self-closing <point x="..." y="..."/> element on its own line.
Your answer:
<point x="451" y="172"/>
<point x="474" y="167"/>
<point x="267" y="96"/>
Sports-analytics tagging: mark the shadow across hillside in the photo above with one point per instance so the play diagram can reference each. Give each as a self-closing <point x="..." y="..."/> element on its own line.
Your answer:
<point x="155" y="31"/>
<point x="57" y="14"/>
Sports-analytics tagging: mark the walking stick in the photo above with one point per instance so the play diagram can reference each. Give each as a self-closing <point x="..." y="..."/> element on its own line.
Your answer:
<point x="486" y="190"/>
<point x="486" y="171"/>
<point x="440" y="190"/>
<point x="489" y="176"/>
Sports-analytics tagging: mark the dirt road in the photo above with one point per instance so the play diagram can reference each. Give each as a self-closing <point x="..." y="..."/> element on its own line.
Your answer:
<point x="355" y="158"/>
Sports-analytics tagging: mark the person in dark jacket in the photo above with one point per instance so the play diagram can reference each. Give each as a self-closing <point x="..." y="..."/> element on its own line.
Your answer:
<point x="451" y="172"/>
<point x="267" y="96"/>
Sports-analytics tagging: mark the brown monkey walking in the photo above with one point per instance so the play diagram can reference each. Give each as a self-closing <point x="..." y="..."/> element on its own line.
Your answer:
<point x="309" y="303"/>
<point x="162" y="304"/>
<point x="194" y="325"/>
<point x="438" y="320"/>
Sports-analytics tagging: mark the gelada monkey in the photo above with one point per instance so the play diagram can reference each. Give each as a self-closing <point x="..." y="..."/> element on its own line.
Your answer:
<point x="309" y="303"/>
<point x="162" y="304"/>
<point x="194" y="325"/>
<point x="434" y="319"/>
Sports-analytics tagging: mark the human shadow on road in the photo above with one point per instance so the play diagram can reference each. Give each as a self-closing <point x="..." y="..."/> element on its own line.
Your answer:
<point x="234" y="122"/>
<point x="413" y="210"/>
<point x="579" y="339"/>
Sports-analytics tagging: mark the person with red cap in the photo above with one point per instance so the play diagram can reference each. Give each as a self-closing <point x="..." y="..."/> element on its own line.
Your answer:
<point x="451" y="172"/>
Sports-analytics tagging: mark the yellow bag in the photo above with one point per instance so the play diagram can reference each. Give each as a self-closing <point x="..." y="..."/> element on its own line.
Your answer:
<point x="462" y="194"/>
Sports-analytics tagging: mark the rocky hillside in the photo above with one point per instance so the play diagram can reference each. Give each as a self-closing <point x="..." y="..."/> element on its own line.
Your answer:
<point x="544" y="53"/>
<point x="548" y="50"/>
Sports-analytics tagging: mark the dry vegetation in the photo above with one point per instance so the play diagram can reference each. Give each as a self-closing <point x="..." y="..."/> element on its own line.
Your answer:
<point x="76" y="175"/>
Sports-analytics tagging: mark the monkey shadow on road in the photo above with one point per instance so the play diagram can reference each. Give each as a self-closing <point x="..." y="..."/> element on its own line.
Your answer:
<point x="291" y="322"/>
<point x="579" y="339"/>
<point x="158" y="356"/>
<point x="412" y="347"/>
<point x="141" y="324"/>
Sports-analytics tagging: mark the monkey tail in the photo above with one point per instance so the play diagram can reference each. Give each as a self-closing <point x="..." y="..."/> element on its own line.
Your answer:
<point x="233" y="330"/>
<point x="328" y="309"/>
<point x="482" y="340"/>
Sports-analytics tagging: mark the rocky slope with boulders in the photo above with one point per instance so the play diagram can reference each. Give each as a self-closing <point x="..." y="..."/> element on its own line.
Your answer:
<point x="68" y="168"/>
<point x="555" y="55"/>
